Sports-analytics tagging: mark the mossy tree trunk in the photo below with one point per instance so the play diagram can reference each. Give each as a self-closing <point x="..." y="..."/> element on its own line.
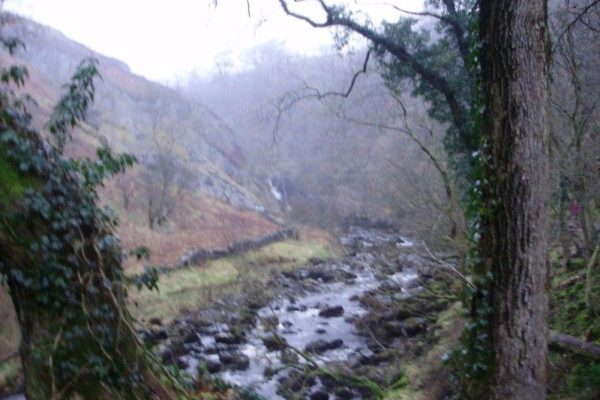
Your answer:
<point x="513" y="245"/>
<point x="66" y="283"/>
<point x="61" y="260"/>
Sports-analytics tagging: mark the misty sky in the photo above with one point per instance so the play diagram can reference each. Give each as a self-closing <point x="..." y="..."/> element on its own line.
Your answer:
<point x="166" y="40"/>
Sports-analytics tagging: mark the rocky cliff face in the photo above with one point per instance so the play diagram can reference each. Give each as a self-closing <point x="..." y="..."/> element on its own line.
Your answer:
<point x="129" y="110"/>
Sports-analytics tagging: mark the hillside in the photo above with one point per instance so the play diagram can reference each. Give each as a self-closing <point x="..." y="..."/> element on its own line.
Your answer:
<point x="212" y="197"/>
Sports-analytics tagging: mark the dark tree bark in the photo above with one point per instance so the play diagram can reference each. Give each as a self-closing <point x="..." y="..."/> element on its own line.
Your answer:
<point x="513" y="245"/>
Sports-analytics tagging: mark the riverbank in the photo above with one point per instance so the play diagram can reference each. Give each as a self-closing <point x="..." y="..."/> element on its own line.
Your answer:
<point x="373" y="324"/>
<point x="188" y="289"/>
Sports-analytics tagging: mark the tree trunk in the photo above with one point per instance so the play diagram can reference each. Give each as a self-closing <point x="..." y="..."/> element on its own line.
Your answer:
<point x="592" y="300"/>
<point x="513" y="244"/>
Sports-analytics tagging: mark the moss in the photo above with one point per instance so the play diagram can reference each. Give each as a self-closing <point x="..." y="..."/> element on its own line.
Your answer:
<point x="12" y="182"/>
<point x="573" y="377"/>
<point x="569" y="312"/>
<point x="584" y="380"/>
<point x="10" y="375"/>
<point x="576" y="264"/>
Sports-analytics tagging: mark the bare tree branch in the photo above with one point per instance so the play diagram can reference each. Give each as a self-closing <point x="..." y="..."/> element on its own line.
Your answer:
<point x="578" y="18"/>
<point x="435" y="80"/>
<point x="291" y="98"/>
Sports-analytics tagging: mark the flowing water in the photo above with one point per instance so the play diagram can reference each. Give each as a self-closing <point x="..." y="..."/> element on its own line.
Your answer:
<point x="301" y="321"/>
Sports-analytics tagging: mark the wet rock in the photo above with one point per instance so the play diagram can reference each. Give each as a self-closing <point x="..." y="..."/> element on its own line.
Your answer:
<point x="394" y="329"/>
<point x="414" y="326"/>
<point x="320" y="331"/>
<point x="331" y="312"/>
<point x="274" y="343"/>
<point x="227" y="338"/>
<point x="191" y="337"/>
<point x="213" y="366"/>
<point x="216" y="348"/>
<point x="293" y="383"/>
<point x="182" y="364"/>
<point x="173" y="352"/>
<point x="319" y="396"/>
<point x="401" y="313"/>
<point x="234" y="360"/>
<point x="320" y="346"/>
<point x="344" y="394"/>
<point x="322" y="276"/>
<point x="154" y="336"/>
<point x="292" y="308"/>
<point x="316" y="260"/>
<point x="287" y="324"/>
<point x="349" y="275"/>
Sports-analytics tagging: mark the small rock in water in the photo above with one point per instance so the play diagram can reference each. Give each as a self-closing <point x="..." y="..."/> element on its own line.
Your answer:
<point x="234" y="360"/>
<point x="274" y="343"/>
<point x="191" y="337"/>
<point x="321" y="276"/>
<point x="175" y="350"/>
<point x="227" y="338"/>
<point x="320" y="331"/>
<point x="349" y="275"/>
<point x="182" y="364"/>
<point x="296" y="308"/>
<point x="319" y="396"/>
<point x="321" y="346"/>
<point x="344" y="394"/>
<point x="212" y="366"/>
<point x="330" y="312"/>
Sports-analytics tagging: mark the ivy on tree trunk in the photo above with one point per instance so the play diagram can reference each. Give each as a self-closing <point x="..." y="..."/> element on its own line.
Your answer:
<point x="512" y="249"/>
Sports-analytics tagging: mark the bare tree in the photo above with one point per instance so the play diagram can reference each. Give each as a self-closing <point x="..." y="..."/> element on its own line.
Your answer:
<point x="165" y="176"/>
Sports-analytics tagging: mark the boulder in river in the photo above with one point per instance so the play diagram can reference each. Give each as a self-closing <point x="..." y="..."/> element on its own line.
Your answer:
<point x="330" y="312"/>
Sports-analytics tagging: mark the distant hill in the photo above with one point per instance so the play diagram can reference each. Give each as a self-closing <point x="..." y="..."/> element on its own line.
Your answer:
<point x="220" y="203"/>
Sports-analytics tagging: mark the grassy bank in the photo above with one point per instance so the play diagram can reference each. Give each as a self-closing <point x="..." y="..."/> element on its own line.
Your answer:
<point x="196" y="287"/>
<point x="186" y="289"/>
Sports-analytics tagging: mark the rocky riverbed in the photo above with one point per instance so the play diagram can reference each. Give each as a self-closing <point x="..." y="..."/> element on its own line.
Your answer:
<point x="330" y="330"/>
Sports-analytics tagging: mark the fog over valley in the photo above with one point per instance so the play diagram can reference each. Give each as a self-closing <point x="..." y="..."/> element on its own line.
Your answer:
<point x="299" y="199"/>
